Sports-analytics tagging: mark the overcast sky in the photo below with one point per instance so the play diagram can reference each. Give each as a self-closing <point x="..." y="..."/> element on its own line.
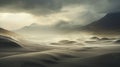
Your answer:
<point x="15" y="14"/>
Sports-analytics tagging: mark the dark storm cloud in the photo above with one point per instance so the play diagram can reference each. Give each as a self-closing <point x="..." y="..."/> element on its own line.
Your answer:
<point x="114" y="6"/>
<point x="31" y="6"/>
<point x="49" y="6"/>
<point x="104" y="6"/>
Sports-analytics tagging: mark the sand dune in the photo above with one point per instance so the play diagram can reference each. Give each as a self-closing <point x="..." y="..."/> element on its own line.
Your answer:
<point x="80" y="57"/>
<point x="7" y="42"/>
<point x="93" y="52"/>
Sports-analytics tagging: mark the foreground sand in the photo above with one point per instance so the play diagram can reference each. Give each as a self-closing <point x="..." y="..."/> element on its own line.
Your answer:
<point x="75" y="56"/>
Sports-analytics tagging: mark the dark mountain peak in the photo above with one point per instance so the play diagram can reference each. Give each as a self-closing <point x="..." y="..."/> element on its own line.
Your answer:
<point x="114" y="13"/>
<point x="110" y="22"/>
<point x="112" y="17"/>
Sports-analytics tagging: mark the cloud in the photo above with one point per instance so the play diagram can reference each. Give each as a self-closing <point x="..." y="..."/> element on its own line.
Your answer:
<point x="114" y="6"/>
<point x="30" y="6"/>
<point x="51" y="6"/>
<point x="105" y="6"/>
<point x="76" y="12"/>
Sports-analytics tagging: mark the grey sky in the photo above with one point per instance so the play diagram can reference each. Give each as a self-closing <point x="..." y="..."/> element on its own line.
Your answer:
<point x="48" y="6"/>
<point x="52" y="11"/>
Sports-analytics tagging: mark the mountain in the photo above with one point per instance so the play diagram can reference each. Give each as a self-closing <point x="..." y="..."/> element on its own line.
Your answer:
<point x="35" y="28"/>
<point x="60" y="26"/>
<point x="108" y="24"/>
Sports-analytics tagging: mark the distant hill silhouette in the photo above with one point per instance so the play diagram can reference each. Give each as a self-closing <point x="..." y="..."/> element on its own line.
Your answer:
<point x="8" y="39"/>
<point x="35" y="28"/>
<point x="60" y="26"/>
<point x="8" y="33"/>
<point x="3" y="31"/>
<point x="7" y="42"/>
<point x="109" y="23"/>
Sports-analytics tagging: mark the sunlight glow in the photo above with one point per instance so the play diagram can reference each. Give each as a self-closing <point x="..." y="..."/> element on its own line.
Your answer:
<point x="15" y="20"/>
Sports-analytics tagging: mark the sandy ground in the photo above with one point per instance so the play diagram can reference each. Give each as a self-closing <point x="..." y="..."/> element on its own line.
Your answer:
<point x="55" y="56"/>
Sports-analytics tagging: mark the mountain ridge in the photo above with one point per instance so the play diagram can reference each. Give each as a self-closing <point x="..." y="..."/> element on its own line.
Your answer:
<point x="108" y="24"/>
